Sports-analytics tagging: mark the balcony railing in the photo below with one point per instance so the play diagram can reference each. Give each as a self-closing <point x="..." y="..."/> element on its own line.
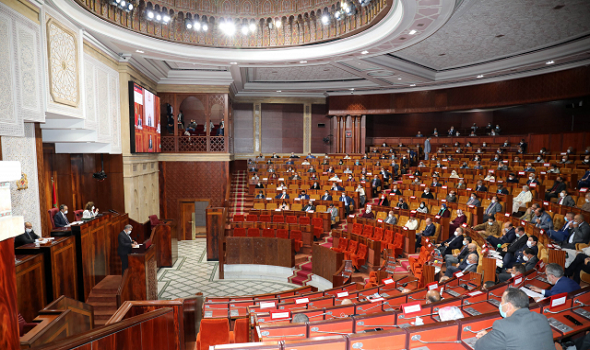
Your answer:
<point x="193" y="144"/>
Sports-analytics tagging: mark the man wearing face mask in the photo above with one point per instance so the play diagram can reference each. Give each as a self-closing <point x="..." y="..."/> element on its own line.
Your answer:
<point x="375" y="185"/>
<point x="468" y="247"/>
<point x="565" y="199"/>
<point x="558" y="186"/>
<point x="368" y="213"/>
<point x="474" y="201"/>
<point x="522" y="199"/>
<point x="580" y="233"/>
<point x="383" y="201"/>
<point x="542" y="220"/>
<point x="586" y="206"/>
<point x="516" y="270"/>
<point x="466" y="266"/>
<point x="260" y="195"/>
<point x="481" y="187"/>
<point x="501" y="189"/>
<point x="517" y="257"/>
<point x="427" y="194"/>
<point x="561" y="284"/>
<point x="493" y="208"/>
<point x="125" y="245"/>
<point x="585" y="181"/>
<point x="28" y="237"/>
<point x="508" y="237"/>
<point x="461" y="185"/>
<point x="529" y="167"/>
<point x="532" y="180"/>
<point x="429" y="231"/>
<point x="326" y="196"/>
<point x="60" y="219"/>
<point x="539" y="159"/>
<point x="283" y="195"/>
<point x="507" y="333"/>
<point x="489" y="228"/>
<point x="454" y="242"/>
<point x="451" y="197"/>
<point x="565" y="231"/>
<point x="348" y="203"/>
<point x="402" y="204"/>
<point x="391" y="219"/>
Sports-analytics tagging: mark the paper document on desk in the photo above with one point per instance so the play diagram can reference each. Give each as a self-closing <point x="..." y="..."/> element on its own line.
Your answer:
<point x="531" y="294"/>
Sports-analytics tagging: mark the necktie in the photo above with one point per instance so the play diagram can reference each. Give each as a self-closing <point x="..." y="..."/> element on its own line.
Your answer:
<point x="28" y="235"/>
<point x="66" y="218"/>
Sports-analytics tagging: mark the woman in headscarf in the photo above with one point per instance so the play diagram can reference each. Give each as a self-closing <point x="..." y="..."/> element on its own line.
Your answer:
<point x="454" y="175"/>
<point x="458" y="221"/>
<point x="444" y="212"/>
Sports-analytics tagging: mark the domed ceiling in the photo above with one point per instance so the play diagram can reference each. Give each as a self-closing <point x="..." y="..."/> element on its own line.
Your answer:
<point x="317" y="48"/>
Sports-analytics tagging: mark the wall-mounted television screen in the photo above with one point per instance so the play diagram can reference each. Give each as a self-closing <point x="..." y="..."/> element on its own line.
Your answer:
<point x="144" y="119"/>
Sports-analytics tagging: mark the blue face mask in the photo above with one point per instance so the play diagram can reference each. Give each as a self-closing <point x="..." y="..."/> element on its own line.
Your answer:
<point x="502" y="313"/>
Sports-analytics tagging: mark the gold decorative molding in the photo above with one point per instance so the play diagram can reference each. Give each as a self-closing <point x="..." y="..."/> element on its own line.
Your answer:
<point x="100" y="55"/>
<point x="294" y="100"/>
<point x="25" y="8"/>
<point x="179" y="88"/>
<point x="63" y="64"/>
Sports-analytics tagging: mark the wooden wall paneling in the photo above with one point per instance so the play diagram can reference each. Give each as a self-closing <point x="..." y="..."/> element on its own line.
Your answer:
<point x="157" y="333"/>
<point x="335" y="140"/>
<point x="162" y="188"/>
<point x="166" y="246"/>
<point x="243" y="127"/>
<point x="216" y="218"/>
<point x="77" y="161"/>
<point x="292" y="128"/>
<point x="319" y="116"/>
<point x="42" y="180"/>
<point x="363" y="132"/>
<point x="30" y="285"/>
<point x="143" y="269"/>
<point x="9" y="307"/>
<point x="259" y="250"/>
<point x="328" y="261"/>
<point x="185" y="220"/>
<point x="538" y="142"/>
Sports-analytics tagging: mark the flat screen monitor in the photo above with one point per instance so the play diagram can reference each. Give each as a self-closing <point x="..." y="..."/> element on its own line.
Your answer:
<point x="144" y="119"/>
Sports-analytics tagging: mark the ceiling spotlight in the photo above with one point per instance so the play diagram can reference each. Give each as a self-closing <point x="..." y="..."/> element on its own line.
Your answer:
<point x="351" y="89"/>
<point x="399" y="78"/>
<point x="166" y="18"/>
<point x="245" y="29"/>
<point x="129" y="7"/>
<point x="150" y="15"/>
<point x="325" y="19"/>
<point x="550" y="62"/>
<point x="270" y="25"/>
<point x="480" y="76"/>
<point x="278" y="24"/>
<point x="412" y="32"/>
<point x="253" y="27"/>
<point x="227" y="27"/>
<point x="122" y="3"/>
<point x="197" y="25"/>
<point x="337" y="15"/>
<point x="302" y="61"/>
<point x="205" y="27"/>
<point x="412" y="85"/>
<point x="364" y="52"/>
<point x="139" y="51"/>
<point x="188" y="23"/>
<point x="158" y="17"/>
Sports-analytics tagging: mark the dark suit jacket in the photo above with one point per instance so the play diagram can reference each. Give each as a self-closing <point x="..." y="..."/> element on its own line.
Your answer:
<point x="507" y="333"/>
<point x="278" y="196"/>
<point x="581" y="235"/>
<point x="502" y="191"/>
<point x="386" y="175"/>
<point x="259" y="186"/>
<point x="404" y="205"/>
<point x="308" y="207"/>
<point x="304" y="196"/>
<point x="516" y="245"/>
<point x="260" y="196"/>
<point x="494" y="208"/>
<point x="375" y="182"/>
<point x="383" y="202"/>
<point x="438" y="184"/>
<point x="318" y="187"/>
<point x="125" y="243"/>
<point x="482" y="188"/>
<point x="25" y="238"/>
<point x="326" y="198"/>
<point x="429" y="230"/>
<point x="568" y="201"/>
<point x="60" y="220"/>
<point x="349" y="200"/>
<point x="429" y="195"/>
<point x="563" y="285"/>
<point x="557" y="187"/>
<point x="339" y="188"/>
<point x="531" y="263"/>
<point x="509" y="236"/>
<point x="455" y="242"/>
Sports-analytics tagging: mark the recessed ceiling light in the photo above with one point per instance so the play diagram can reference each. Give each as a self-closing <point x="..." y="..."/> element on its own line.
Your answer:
<point x="480" y="76"/>
<point x="139" y="51"/>
<point x="364" y="52"/>
<point x="351" y="89"/>
<point x="302" y="61"/>
<point x="279" y="91"/>
<point x="399" y="78"/>
<point x="412" y="32"/>
<point x="233" y="63"/>
<point x="550" y="62"/>
<point x="412" y="84"/>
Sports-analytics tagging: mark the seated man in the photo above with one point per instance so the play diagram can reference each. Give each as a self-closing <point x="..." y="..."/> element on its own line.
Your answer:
<point x="432" y="296"/>
<point x="274" y="155"/>
<point x="492" y="209"/>
<point x="303" y="195"/>
<point x="522" y="199"/>
<point x="391" y="219"/>
<point x="368" y="214"/>
<point x="427" y="194"/>
<point x="28" y="237"/>
<point x="412" y="223"/>
<point x="580" y="262"/>
<point x="260" y="195"/>
<point x="402" y="204"/>
<point x="310" y="156"/>
<point x="481" y="187"/>
<point x="259" y="185"/>
<point x="452" y="197"/>
<point x="293" y="155"/>
<point x="466" y="266"/>
<point x="454" y="242"/>
<point x="296" y="176"/>
<point x="283" y="195"/>
<point x="435" y="183"/>
<point x="488" y="228"/>
<point x="336" y="187"/>
<point x="311" y="169"/>
<point x="326" y="196"/>
<point x="529" y="167"/>
<point x="561" y="284"/>
<point x="383" y="201"/>
<point x="580" y="233"/>
<point x="429" y="231"/>
<point x="468" y="247"/>
<point x="308" y="207"/>
<point x="474" y="201"/>
<point x="586" y="206"/>
<point x="511" y="179"/>
<point x="375" y="185"/>
<point x="565" y="231"/>
<point x="542" y="220"/>
<point x="516" y="270"/>
<point x="554" y="191"/>
<point x="334" y="215"/>
<point x="585" y="180"/>
<point x="530" y="212"/>
<point x="60" y="219"/>
<point x="507" y="333"/>
<point x="348" y="203"/>
<point x="565" y="199"/>
<point x="518" y="256"/>
<point x="508" y="237"/>
<point x="532" y="180"/>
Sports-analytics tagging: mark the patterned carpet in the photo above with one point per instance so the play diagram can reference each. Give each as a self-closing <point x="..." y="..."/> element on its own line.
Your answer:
<point x="192" y="273"/>
<point x="239" y="190"/>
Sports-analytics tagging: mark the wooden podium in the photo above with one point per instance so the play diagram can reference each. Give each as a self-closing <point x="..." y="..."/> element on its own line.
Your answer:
<point x="143" y="270"/>
<point x="216" y="218"/>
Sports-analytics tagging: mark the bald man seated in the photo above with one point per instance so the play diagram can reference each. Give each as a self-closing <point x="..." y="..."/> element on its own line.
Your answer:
<point x="432" y="296"/>
<point x="28" y="237"/>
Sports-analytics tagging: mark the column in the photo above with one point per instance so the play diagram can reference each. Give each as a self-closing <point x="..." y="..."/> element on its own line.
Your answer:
<point x="342" y="121"/>
<point x="306" y="128"/>
<point x="256" y="120"/>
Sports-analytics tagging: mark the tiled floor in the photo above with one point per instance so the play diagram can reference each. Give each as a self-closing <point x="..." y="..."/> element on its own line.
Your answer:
<point x="192" y="273"/>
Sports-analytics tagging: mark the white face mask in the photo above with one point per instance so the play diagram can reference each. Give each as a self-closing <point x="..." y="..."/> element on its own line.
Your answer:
<point x="65" y="211"/>
<point x="456" y="233"/>
<point x="129" y="232"/>
<point x="525" y="258"/>
<point x="493" y="201"/>
<point x="425" y="191"/>
<point x="464" y="242"/>
<point x="28" y="230"/>
<point x="529" y="244"/>
<point x="490" y="223"/>
<point x="421" y="205"/>
<point x="562" y="194"/>
<point x="472" y="197"/>
<point x="587" y="200"/>
<point x="284" y="192"/>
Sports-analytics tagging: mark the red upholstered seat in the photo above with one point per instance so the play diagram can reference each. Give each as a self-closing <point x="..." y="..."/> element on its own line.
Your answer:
<point x="52" y="213"/>
<point x="387" y="239"/>
<point x="282" y="233"/>
<point x="278" y="218"/>
<point x="398" y="244"/>
<point x="214" y="331"/>
<point x="297" y="237"/>
<point x="265" y="218"/>
<point x="291" y="219"/>
<point x="154" y="220"/>
<point x="377" y="234"/>
<point x="239" y="232"/>
<point x="251" y="217"/>
<point x="78" y="214"/>
<point x="317" y="232"/>
<point x="352" y="247"/>
<point x="304" y="220"/>
<point x="358" y="259"/>
<point x="368" y="230"/>
<point x="241" y="330"/>
<point x="357" y="229"/>
<point x="253" y="232"/>
<point x="317" y="222"/>
<point x="342" y="245"/>
<point x="268" y="232"/>
<point x="238" y="218"/>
